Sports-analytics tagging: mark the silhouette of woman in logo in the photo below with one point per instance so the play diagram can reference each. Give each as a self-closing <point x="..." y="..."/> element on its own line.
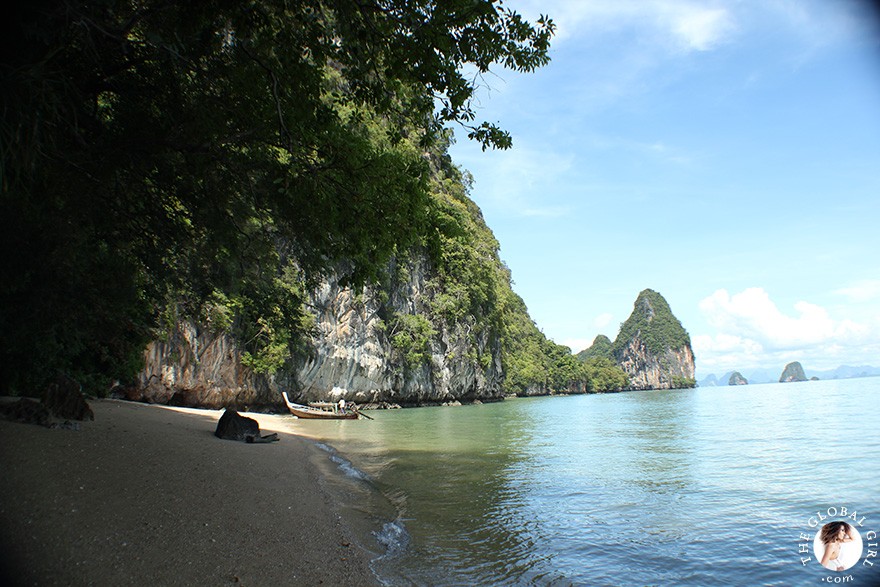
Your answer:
<point x="834" y="534"/>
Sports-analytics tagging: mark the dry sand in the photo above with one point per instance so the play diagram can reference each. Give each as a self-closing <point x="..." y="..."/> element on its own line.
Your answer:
<point x="147" y="495"/>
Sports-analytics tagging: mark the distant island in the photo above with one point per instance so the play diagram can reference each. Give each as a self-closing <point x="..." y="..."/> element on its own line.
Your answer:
<point x="793" y="372"/>
<point x="764" y="375"/>
<point x="736" y="378"/>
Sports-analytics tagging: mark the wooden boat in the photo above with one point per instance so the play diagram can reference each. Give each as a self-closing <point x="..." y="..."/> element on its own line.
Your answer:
<point x="312" y="413"/>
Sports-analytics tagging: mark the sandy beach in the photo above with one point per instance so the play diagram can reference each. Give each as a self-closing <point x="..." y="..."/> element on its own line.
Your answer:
<point x="147" y="495"/>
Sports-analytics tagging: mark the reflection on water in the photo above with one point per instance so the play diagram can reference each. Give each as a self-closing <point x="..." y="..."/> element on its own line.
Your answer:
<point x="685" y="487"/>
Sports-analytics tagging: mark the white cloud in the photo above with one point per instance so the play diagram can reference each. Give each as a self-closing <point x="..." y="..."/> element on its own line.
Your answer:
<point x="821" y="23"/>
<point x="862" y="291"/>
<point x="752" y="314"/>
<point x="701" y="29"/>
<point x="751" y="330"/>
<point x="602" y="320"/>
<point x="677" y="24"/>
<point x="726" y="352"/>
<point x="518" y="179"/>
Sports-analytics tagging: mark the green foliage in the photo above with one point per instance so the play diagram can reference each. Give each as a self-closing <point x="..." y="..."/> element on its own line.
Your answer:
<point x="531" y="362"/>
<point x="601" y="348"/>
<point x="604" y="375"/>
<point x="219" y="312"/>
<point x="165" y="159"/>
<point x="272" y="321"/>
<point x="653" y="322"/>
<point x="679" y="382"/>
<point x="411" y="336"/>
<point x="463" y="249"/>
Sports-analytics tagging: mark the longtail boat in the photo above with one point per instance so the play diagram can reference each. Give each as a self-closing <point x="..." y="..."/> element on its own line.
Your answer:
<point x="309" y="412"/>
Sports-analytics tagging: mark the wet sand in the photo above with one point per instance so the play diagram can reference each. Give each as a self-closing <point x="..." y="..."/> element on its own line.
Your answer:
<point x="147" y="495"/>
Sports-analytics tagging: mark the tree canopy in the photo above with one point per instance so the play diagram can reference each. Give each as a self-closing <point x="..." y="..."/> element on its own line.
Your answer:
<point x="214" y="158"/>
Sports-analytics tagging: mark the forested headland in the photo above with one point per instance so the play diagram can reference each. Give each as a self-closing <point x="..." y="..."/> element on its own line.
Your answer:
<point x="213" y="161"/>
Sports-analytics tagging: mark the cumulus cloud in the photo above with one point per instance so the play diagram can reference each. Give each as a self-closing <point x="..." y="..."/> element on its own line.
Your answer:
<point x="726" y="352"/>
<point x="751" y="330"/>
<point x="752" y="314"/>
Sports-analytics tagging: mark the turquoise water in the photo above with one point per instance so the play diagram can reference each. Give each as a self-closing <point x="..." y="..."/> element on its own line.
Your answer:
<point x="711" y="486"/>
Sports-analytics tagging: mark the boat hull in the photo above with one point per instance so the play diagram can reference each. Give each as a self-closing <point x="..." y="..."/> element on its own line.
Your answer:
<point x="309" y="413"/>
<point x="318" y="414"/>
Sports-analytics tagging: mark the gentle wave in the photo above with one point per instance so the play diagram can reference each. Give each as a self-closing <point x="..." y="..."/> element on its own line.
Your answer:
<point x="344" y="465"/>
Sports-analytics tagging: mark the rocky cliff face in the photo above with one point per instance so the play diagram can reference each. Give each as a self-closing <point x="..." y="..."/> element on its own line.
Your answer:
<point x="352" y="356"/>
<point x="199" y="368"/>
<point x="653" y="348"/>
<point x="674" y="368"/>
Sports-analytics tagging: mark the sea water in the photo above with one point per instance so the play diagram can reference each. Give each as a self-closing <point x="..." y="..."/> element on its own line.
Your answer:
<point x="708" y="486"/>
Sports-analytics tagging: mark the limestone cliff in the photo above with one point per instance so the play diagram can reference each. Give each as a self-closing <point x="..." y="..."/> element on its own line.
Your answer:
<point x="196" y="367"/>
<point x="355" y="352"/>
<point x="653" y="348"/>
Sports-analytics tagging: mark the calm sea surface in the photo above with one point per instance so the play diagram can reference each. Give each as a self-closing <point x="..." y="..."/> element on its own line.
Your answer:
<point x="711" y="486"/>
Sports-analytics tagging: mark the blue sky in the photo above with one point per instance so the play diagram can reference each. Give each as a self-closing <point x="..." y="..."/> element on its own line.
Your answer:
<point x="725" y="154"/>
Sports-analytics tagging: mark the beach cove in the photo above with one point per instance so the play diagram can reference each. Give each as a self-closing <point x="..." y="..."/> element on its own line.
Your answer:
<point x="147" y="495"/>
<point x="674" y="487"/>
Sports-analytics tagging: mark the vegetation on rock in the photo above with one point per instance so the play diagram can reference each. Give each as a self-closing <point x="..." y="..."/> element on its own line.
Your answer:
<point x="653" y="348"/>
<point x="654" y="324"/>
<point x="213" y="160"/>
<point x="600" y="348"/>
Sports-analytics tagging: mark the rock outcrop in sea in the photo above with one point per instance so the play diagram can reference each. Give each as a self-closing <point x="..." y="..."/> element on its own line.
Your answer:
<point x="653" y="348"/>
<point x="793" y="372"/>
<point x="736" y="378"/>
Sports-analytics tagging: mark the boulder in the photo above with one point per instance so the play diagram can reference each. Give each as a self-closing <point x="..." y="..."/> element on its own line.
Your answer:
<point x="64" y="399"/>
<point x="26" y="411"/>
<point x="234" y="426"/>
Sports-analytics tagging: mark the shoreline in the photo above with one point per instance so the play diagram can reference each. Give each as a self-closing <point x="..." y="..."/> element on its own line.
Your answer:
<point x="146" y="494"/>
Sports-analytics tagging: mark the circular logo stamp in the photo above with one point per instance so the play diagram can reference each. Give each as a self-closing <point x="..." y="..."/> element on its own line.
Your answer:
<point x="841" y="542"/>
